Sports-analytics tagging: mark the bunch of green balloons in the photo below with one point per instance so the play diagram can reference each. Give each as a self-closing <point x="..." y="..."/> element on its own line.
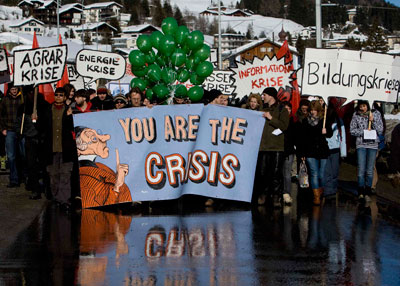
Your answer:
<point x="163" y="59"/>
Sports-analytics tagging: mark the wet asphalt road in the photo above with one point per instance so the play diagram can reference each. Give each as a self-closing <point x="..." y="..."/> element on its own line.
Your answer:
<point x="173" y="245"/>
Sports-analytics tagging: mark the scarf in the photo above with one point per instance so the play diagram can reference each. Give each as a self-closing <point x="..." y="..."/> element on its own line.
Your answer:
<point x="313" y="121"/>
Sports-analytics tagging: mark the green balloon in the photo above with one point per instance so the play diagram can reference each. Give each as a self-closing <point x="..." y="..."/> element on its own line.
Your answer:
<point x="154" y="73"/>
<point x="180" y="91"/>
<point x="185" y="48"/>
<point x="195" y="40"/>
<point x="195" y="93"/>
<point x="167" y="45"/>
<point x="137" y="58"/>
<point x="183" y="75"/>
<point x="168" y="75"/>
<point x="203" y="53"/>
<point x="196" y="79"/>
<point x="161" y="91"/>
<point x="204" y="69"/>
<point x="156" y="38"/>
<point x="181" y="34"/>
<point x="160" y="61"/>
<point x="144" y="43"/>
<point x="137" y="82"/>
<point x="191" y="62"/>
<point x="178" y="58"/>
<point x="139" y="72"/>
<point x="150" y="57"/>
<point x="169" y="26"/>
<point x="149" y="94"/>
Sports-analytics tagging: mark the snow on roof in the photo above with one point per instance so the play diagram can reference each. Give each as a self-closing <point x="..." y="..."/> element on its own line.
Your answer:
<point x="252" y="44"/>
<point x="124" y="51"/>
<point x="67" y="7"/>
<point x="10" y="13"/>
<point x="46" y="3"/>
<point x="138" y="28"/>
<point x="22" y="22"/>
<point x="101" y="5"/>
<point x="24" y="1"/>
<point x="93" y="26"/>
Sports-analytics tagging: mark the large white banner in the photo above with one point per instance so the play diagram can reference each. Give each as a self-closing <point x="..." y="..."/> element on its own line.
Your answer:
<point x="38" y="66"/>
<point x="351" y="74"/>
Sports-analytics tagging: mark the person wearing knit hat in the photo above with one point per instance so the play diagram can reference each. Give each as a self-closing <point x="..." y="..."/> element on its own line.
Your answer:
<point x="268" y="184"/>
<point x="103" y="101"/>
<point x="120" y="101"/>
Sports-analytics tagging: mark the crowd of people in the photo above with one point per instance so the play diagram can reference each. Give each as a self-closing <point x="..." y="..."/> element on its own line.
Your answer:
<point x="38" y="141"/>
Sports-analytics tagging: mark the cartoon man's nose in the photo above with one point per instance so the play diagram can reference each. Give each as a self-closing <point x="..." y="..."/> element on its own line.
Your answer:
<point x="104" y="138"/>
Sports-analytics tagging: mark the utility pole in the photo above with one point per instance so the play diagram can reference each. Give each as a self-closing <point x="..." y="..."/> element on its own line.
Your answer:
<point x="219" y="37"/>
<point x="58" y="20"/>
<point x="318" y="22"/>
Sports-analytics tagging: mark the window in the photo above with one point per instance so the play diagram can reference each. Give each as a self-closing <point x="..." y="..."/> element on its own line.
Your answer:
<point x="32" y="24"/>
<point x="27" y="29"/>
<point x="36" y="29"/>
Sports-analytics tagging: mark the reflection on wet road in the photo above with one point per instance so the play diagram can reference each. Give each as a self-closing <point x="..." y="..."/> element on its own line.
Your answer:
<point x="343" y="245"/>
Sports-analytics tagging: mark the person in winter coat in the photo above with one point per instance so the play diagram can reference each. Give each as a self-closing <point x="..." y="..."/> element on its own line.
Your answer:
<point x="289" y="152"/>
<point x="337" y="150"/>
<point x="365" y="119"/>
<point x="314" y="147"/>
<point x="103" y="101"/>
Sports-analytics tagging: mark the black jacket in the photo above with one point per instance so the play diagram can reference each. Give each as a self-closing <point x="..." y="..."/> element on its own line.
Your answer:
<point x="106" y="104"/>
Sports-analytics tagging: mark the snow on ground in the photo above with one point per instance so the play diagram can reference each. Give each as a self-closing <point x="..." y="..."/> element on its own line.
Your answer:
<point x="269" y="25"/>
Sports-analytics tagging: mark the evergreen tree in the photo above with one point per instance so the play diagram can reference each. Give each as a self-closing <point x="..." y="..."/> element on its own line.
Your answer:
<point x="115" y="23"/>
<point x="202" y="24"/>
<point x="178" y="16"/>
<point x="353" y="44"/>
<point x="376" y="41"/>
<point x="66" y="35"/>
<point x="290" y="39"/>
<point x="250" y="32"/>
<point x="262" y="35"/>
<point x="87" y="40"/>
<point x="168" y="9"/>
<point x="145" y="8"/>
<point x="213" y="27"/>
<point x="71" y="34"/>
<point x="158" y="13"/>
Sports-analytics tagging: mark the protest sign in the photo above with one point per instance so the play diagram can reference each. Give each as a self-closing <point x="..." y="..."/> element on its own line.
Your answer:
<point x="121" y="244"/>
<point x="118" y="88"/>
<point x="96" y="65"/>
<point x="220" y="80"/>
<point x="79" y="82"/>
<point x="39" y="66"/>
<point x="254" y="77"/>
<point x="4" y="67"/>
<point x="167" y="151"/>
<point x="351" y="75"/>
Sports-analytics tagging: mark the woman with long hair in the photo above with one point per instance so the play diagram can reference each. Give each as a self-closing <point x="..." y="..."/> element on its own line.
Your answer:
<point x="365" y="119"/>
<point x="254" y="102"/>
<point x="314" y="147"/>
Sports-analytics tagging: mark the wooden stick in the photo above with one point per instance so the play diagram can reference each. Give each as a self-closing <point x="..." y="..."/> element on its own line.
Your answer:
<point x="34" y="112"/>
<point x="369" y="121"/>
<point x="326" y="109"/>
<point x="22" y="123"/>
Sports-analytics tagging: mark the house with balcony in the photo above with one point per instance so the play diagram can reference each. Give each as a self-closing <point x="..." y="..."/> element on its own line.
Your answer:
<point x="28" y="26"/>
<point x="102" y="12"/>
<point x="226" y="12"/>
<point x="230" y="41"/>
<point x="71" y="14"/>
<point x="96" y="31"/>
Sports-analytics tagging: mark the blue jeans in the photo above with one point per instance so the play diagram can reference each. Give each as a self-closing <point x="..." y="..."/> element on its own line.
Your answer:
<point x="365" y="166"/>
<point x="12" y="143"/>
<point x="332" y="174"/>
<point x="317" y="172"/>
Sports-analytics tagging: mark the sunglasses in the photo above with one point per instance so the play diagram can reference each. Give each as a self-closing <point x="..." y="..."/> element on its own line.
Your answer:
<point x="59" y="94"/>
<point x="119" y="102"/>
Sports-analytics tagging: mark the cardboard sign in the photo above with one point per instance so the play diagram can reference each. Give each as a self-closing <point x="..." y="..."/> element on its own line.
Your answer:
<point x="351" y="74"/>
<point x="79" y="82"/>
<point x="3" y="61"/>
<point x="118" y="88"/>
<point x="38" y="66"/>
<point x="166" y="152"/>
<point x="220" y="80"/>
<point x="254" y="77"/>
<point x="96" y="65"/>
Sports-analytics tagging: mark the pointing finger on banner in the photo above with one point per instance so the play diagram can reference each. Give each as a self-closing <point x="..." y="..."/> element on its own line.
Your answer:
<point x="117" y="157"/>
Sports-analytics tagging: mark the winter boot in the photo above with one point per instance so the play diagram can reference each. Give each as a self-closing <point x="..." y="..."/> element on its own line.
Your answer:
<point x="317" y="197"/>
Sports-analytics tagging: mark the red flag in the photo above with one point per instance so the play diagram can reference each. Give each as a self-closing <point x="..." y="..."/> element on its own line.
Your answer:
<point x="45" y="89"/>
<point x="64" y="80"/>
<point x="6" y="84"/>
<point x="285" y="52"/>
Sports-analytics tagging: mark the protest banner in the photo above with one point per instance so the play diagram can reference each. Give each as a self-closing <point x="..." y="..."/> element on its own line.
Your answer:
<point x="220" y="80"/>
<point x="116" y="241"/>
<point x="4" y="67"/>
<point x="167" y="151"/>
<point x="100" y="65"/>
<point x="39" y="66"/>
<point x="255" y="76"/>
<point x="79" y="82"/>
<point x="351" y="75"/>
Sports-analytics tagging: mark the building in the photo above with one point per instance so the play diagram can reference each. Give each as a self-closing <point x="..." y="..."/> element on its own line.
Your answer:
<point x="352" y="13"/>
<point x="136" y="30"/>
<point x="28" y="26"/>
<point x="96" y="32"/>
<point x="230" y="41"/>
<point x="226" y="12"/>
<point x="124" y="42"/>
<point x="101" y="12"/>
<point x="258" y="48"/>
<point x="71" y="14"/>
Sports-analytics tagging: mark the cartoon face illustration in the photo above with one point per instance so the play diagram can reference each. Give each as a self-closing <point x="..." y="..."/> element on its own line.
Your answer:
<point x="89" y="142"/>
